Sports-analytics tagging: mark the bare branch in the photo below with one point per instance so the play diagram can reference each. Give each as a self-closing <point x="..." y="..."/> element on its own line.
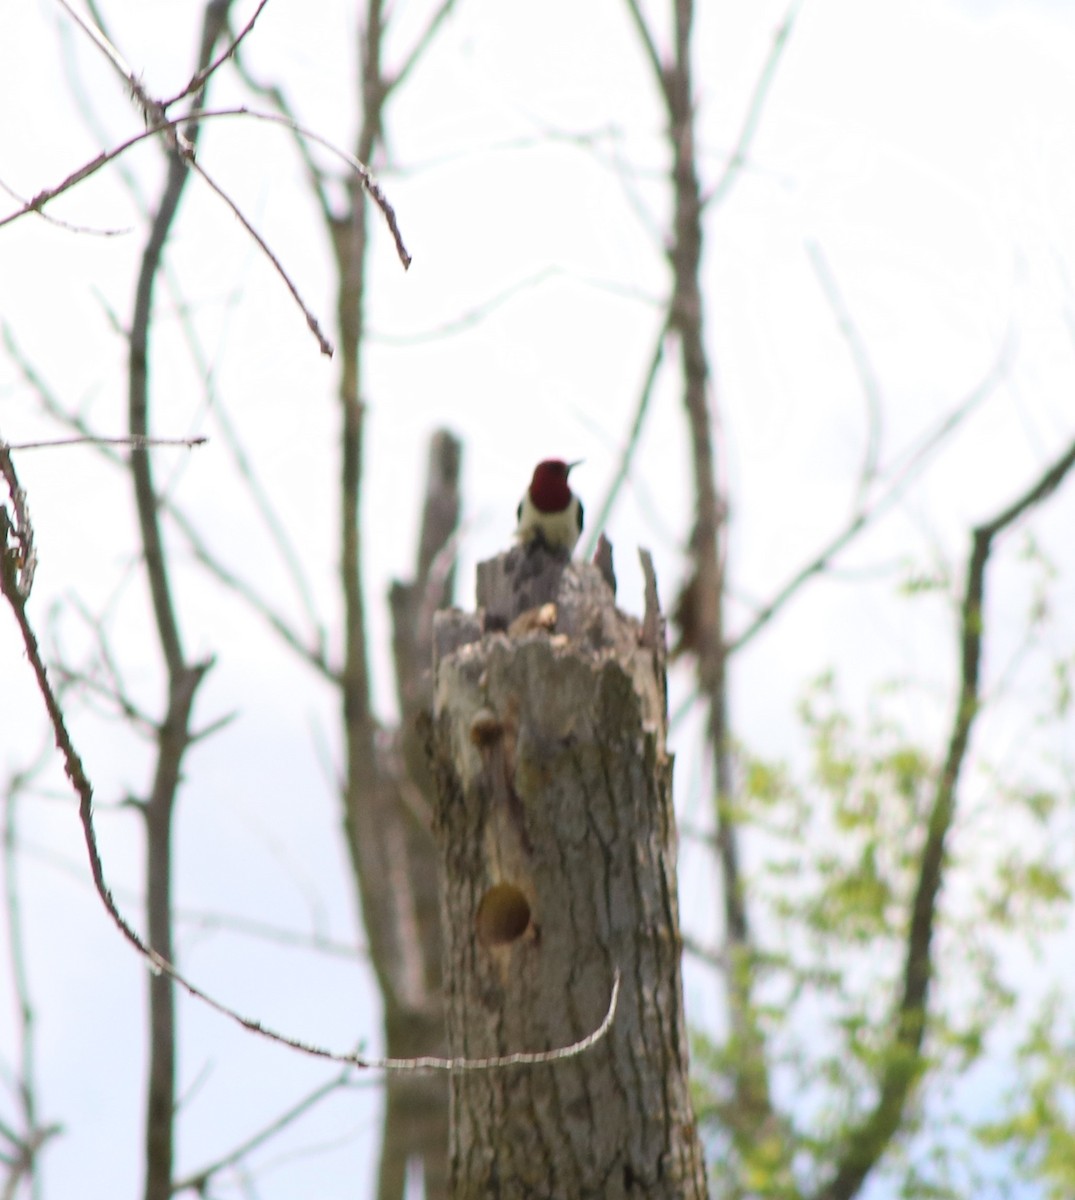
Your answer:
<point x="370" y="184"/>
<point x="183" y="677"/>
<point x="199" y="78"/>
<point x="203" y="920"/>
<point x="627" y="457"/>
<point x="311" y="320"/>
<point x="26" y="1146"/>
<point x="711" y="956"/>
<point x="21" y="1162"/>
<point x="229" y="434"/>
<point x="153" y="111"/>
<point x="525" y="1058"/>
<point x="101" y="41"/>
<point x="470" y="317"/>
<point x="21" y="557"/>
<point x="76" y="773"/>
<point x="112" y="695"/>
<point x="275" y="95"/>
<point x="198" y="1181"/>
<point x="762" y="88"/>
<point x="871" y="387"/>
<point x="60" y="224"/>
<point x="50" y="401"/>
<point x="1033" y="496"/>
<point x="262" y="501"/>
<point x="213" y="922"/>
<point x="703" y="618"/>
<point x="137" y="442"/>
<point x="474" y="316"/>
<point x="113" y="691"/>
<point x="421" y="44"/>
<point x="313" y="656"/>
<point x="902" y="1063"/>
<point x="899" y="476"/>
<point x="645" y="36"/>
<point x="36" y="203"/>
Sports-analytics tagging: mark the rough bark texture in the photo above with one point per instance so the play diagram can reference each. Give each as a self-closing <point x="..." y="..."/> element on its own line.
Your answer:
<point x="389" y="804"/>
<point x="558" y="845"/>
<point x="387" y="831"/>
<point x="173" y="734"/>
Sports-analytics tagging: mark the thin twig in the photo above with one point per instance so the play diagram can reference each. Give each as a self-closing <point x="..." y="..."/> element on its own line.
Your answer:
<point x="32" y="1137"/>
<point x="645" y="36"/>
<point x="871" y="388"/>
<point x="197" y="1181"/>
<point x="898" y="478"/>
<point x="200" y="920"/>
<point x="229" y="434"/>
<point x="597" y="523"/>
<point x="250" y="927"/>
<point x="421" y="43"/>
<point x="76" y="773"/>
<point x="469" y="318"/>
<point x="19" y="558"/>
<point x="270" y="519"/>
<point x="754" y="110"/>
<point x="311" y="320"/>
<point x="199" y="78"/>
<point x="137" y="442"/>
<point x="112" y="696"/>
<point x="69" y="226"/>
<point x="275" y="95"/>
<point x="152" y="110"/>
<point x="85" y="99"/>
<point x="712" y="956"/>
<point x="372" y="187"/>
<point x="101" y="41"/>
<point x="112" y="691"/>
<point x="314" y="656"/>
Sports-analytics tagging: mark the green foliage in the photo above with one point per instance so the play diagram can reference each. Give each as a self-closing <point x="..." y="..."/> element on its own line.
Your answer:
<point x="1061" y="673"/>
<point x="839" y="860"/>
<point x="921" y="583"/>
<point x="1039" y="1125"/>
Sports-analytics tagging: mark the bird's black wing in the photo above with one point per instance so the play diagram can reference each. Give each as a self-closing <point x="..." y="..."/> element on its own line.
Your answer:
<point x="580" y="516"/>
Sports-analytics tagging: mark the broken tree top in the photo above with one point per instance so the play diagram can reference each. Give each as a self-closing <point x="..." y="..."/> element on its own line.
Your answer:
<point x="515" y="590"/>
<point x="555" y="827"/>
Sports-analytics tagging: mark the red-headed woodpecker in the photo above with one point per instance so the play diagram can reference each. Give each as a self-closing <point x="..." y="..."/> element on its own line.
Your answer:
<point x="550" y="512"/>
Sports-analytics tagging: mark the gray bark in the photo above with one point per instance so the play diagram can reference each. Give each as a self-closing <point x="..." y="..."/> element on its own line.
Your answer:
<point x="558" y="845"/>
<point x="389" y="804"/>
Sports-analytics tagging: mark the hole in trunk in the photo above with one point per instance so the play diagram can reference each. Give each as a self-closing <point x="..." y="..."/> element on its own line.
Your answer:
<point x="503" y="915"/>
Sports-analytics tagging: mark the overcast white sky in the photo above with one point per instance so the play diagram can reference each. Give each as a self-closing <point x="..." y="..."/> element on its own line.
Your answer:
<point x="926" y="149"/>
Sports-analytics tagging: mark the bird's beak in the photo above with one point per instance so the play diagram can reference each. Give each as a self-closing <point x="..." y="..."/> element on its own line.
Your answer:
<point x="577" y="463"/>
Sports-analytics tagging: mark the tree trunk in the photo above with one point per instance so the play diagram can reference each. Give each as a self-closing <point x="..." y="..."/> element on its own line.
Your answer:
<point x="558" y="843"/>
<point x="389" y="803"/>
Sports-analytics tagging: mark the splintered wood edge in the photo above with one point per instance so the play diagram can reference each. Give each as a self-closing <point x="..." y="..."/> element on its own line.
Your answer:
<point x="653" y="621"/>
<point x="602" y="560"/>
<point x="452" y="629"/>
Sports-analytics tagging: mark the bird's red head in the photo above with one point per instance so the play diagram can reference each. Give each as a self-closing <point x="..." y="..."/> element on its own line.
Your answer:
<point x="549" y="489"/>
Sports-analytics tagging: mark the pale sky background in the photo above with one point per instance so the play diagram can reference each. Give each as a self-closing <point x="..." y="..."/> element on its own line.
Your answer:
<point x="927" y="149"/>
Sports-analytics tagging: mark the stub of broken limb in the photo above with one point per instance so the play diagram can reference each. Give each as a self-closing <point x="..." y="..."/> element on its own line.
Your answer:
<point x="531" y="591"/>
<point x="531" y="588"/>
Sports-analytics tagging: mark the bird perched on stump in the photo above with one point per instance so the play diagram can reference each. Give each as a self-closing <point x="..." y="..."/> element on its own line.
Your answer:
<point x="550" y="512"/>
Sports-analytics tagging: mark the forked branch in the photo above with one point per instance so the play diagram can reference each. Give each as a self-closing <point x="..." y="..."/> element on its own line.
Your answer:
<point x="903" y="1063"/>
